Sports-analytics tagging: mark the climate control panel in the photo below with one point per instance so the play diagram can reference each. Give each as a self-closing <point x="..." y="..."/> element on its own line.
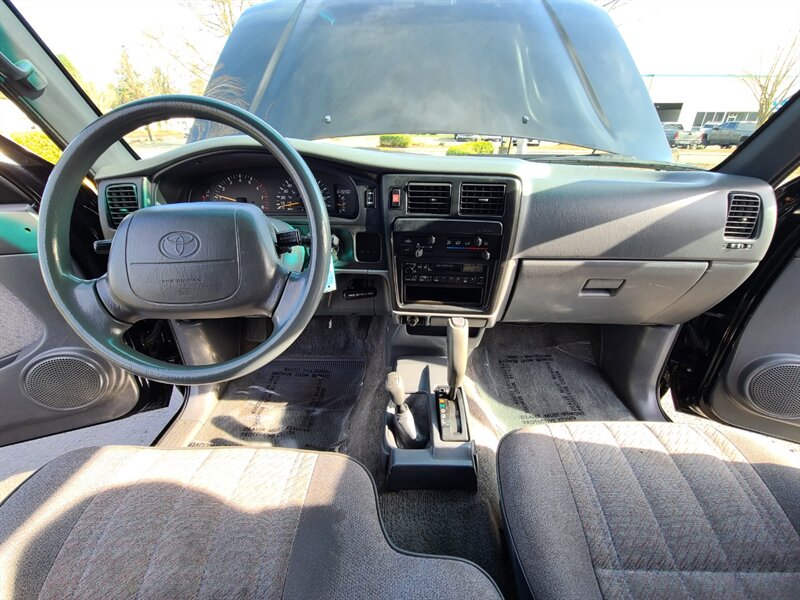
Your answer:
<point x="448" y="263"/>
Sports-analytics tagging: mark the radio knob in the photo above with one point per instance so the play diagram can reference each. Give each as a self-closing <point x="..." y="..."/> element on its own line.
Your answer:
<point x="431" y="240"/>
<point x="419" y="252"/>
<point x="485" y="255"/>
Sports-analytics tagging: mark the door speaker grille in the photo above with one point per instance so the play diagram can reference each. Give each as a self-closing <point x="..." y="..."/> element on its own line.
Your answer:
<point x="776" y="390"/>
<point x="64" y="382"/>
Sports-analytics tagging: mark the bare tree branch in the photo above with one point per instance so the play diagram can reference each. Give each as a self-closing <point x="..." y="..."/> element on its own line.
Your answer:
<point x="772" y="87"/>
<point x="217" y="17"/>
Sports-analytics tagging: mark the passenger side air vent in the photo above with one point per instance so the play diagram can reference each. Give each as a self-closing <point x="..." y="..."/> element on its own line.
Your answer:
<point x="121" y="199"/>
<point x="429" y="198"/>
<point x="743" y="213"/>
<point x="482" y="199"/>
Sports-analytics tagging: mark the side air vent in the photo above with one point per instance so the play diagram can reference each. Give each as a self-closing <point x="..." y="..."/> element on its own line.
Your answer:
<point x="743" y="213"/>
<point x="482" y="199"/>
<point x="121" y="199"/>
<point x="429" y="198"/>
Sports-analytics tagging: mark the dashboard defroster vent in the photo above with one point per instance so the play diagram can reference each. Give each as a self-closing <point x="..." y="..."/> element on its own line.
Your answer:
<point x="744" y="211"/>
<point x="482" y="199"/>
<point x="121" y="199"/>
<point x="429" y="198"/>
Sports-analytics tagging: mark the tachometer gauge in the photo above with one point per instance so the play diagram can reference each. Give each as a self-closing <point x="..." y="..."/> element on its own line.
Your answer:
<point x="241" y="187"/>
<point x="288" y="197"/>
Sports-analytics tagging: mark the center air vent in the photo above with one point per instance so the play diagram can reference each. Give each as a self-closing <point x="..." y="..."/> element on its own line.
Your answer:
<point x="429" y="198"/>
<point x="121" y="199"/>
<point x="743" y="213"/>
<point x="482" y="199"/>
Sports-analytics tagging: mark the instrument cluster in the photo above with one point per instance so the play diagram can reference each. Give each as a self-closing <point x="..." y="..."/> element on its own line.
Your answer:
<point x="274" y="192"/>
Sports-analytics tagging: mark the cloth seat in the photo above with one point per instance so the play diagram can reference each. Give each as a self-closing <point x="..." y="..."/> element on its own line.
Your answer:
<point x="122" y="522"/>
<point x="651" y="510"/>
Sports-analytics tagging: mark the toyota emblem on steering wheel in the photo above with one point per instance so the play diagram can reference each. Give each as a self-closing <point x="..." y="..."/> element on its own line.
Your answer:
<point x="179" y="244"/>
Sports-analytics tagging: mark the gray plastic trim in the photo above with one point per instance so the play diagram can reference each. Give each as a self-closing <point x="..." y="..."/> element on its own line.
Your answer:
<point x="599" y="291"/>
<point x="632" y="358"/>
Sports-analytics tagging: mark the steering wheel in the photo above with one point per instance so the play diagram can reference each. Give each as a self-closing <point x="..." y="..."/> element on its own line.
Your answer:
<point x="182" y="261"/>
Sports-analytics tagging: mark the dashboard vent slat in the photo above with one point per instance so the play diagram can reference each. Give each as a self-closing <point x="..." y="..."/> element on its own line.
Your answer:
<point x="482" y="199"/>
<point x="744" y="211"/>
<point x="429" y="198"/>
<point x="121" y="200"/>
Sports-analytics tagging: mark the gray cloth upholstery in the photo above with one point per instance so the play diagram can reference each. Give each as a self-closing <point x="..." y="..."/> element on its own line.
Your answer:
<point x="19" y="325"/>
<point x="651" y="510"/>
<point x="121" y="522"/>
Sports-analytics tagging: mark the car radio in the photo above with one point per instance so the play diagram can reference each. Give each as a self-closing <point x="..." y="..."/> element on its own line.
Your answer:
<point x="446" y="262"/>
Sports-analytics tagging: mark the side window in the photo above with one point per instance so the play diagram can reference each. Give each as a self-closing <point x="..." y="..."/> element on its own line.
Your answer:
<point x="16" y="126"/>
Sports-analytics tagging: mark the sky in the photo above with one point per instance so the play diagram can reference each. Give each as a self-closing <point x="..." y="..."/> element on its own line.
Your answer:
<point x="664" y="36"/>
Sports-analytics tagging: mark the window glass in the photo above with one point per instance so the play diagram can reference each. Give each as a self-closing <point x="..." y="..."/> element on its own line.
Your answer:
<point x="698" y="74"/>
<point x="15" y="125"/>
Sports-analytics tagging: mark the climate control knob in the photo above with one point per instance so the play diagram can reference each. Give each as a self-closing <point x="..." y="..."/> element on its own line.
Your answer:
<point x="486" y="255"/>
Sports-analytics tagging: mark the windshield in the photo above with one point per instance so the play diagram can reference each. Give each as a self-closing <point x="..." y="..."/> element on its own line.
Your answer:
<point x="445" y="78"/>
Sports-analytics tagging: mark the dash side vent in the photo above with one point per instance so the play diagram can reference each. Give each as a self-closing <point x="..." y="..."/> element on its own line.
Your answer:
<point x="429" y="198"/>
<point x="482" y="199"/>
<point x="744" y="211"/>
<point x="121" y="200"/>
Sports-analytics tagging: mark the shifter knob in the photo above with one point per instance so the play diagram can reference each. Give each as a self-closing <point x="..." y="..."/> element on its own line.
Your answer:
<point x="404" y="427"/>
<point x="394" y="385"/>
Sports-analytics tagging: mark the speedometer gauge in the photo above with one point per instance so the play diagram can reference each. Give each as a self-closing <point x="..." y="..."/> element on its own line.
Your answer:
<point x="241" y="187"/>
<point x="288" y="197"/>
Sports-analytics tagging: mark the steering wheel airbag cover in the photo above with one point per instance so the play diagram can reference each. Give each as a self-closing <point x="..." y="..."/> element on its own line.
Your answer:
<point x="190" y="265"/>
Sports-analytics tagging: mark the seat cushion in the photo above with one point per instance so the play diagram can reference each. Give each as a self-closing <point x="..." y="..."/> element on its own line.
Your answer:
<point x="651" y="510"/>
<point x="119" y="522"/>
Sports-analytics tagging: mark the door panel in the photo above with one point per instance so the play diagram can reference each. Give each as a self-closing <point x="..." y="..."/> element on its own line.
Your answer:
<point x="759" y="384"/>
<point x="50" y="380"/>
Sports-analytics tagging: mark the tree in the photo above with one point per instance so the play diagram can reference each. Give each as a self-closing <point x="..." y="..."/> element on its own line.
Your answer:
<point x="773" y="87"/>
<point x="217" y="18"/>
<point x="87" y="86"/>
<point x="611" y="5"/>
<point x="220" y="15"/>
<point x="160" y="83"/>
<point x="129" y="85"/>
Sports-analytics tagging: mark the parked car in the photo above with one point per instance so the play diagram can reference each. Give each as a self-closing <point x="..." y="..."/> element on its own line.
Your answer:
<point x="695" y="138"/>
<point x="671" y="130"/>
<point x="731" y="133"/>
<point x="466" y="137"/>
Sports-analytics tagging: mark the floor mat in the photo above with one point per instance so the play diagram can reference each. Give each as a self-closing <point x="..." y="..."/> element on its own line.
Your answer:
<point x="541" y="374"/>
<point x="291" y="403"/>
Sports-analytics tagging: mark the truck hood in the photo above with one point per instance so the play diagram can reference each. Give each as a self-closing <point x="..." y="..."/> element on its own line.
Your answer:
<point x="553" y="70"/>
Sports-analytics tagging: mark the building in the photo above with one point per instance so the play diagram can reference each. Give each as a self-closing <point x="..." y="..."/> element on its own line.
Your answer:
<point x="693" y="100"/>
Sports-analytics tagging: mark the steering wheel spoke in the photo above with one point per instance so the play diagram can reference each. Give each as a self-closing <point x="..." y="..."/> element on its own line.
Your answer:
<point x="84" y="296"/>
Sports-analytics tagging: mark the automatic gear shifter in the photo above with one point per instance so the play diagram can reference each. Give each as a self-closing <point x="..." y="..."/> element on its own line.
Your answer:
<point x="404" y="427"/>
<point x="457" y="352"/>
<point x="450" y="401"/>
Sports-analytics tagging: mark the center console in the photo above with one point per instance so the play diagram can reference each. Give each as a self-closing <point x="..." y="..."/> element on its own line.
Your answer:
<point x="449" y="242"/>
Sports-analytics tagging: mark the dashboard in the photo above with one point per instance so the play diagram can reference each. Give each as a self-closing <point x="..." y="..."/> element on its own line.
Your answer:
<point x="274" y="192"/>
<point x="423" y="238"/>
